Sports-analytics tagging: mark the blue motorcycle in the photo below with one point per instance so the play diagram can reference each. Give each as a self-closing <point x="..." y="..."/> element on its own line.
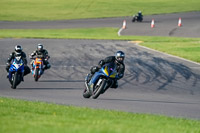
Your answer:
<point x="16" y="72"/>
<point x="100" y="81"/>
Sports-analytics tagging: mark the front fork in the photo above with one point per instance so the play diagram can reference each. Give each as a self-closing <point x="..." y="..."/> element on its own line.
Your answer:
<point x="86" y="83"/>
<point x="11" y="77"/>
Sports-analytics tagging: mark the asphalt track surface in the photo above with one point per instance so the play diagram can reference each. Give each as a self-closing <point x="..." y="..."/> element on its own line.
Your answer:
<point x="154" y="82"/>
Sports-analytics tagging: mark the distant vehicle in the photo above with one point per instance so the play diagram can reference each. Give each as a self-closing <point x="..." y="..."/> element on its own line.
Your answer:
<point x="136" y="18"/>
<point x="100" y="81"/>
<point x="16" y="72"/>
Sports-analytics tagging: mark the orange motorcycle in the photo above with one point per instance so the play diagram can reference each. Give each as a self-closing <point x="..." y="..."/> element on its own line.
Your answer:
<point x="37" y="68"/>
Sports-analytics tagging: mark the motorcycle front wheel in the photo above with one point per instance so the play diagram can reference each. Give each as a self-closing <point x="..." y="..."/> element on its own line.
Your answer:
<point x="86" y="94"/>
<point x="36" y="74"/>
<point x="98" y="89"/>
<point x="14" y="83"/>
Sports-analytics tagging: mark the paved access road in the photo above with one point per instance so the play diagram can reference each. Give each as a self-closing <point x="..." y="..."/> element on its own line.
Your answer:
<point x="165" y="25"/>
<point x="153" y="83"/>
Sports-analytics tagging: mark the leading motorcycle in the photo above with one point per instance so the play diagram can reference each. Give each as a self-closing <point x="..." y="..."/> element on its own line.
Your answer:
<point x="100" y="81"/>
<point x="16" y="72"/>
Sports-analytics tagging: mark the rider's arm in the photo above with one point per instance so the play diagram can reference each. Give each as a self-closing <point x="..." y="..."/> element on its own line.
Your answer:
<point x="11" y="56"/>
<point x="24" y="58"/>
<point x="121" y="71"/>
<point x="33" y="54"/>
<point x="46" y="54"/>
<point x="107" y="60"/>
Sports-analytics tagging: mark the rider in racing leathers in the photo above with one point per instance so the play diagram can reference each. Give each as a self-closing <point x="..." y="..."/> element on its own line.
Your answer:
<point x="43" y="53"/>
<point x="18" y="52"/>
<point x="118" y="59"/>
<point x="140" y="15"/>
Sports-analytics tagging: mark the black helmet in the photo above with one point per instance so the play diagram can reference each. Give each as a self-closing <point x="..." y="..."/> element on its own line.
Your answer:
<point x="119" y="56"/>
<point x="40" y="47"/>
<point x="18" y="49"/>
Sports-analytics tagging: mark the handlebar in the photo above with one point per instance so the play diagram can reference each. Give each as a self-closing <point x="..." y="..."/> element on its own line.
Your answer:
<point x="46" y="58"/>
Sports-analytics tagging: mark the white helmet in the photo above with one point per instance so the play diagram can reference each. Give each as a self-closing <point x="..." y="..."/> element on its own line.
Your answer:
<point x="18" y="49"/>
<point x="40" y="47"/>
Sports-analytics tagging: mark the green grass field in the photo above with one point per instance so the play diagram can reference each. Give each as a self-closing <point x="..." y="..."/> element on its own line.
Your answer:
<point x="34" y="10"/>
<point x="18" y="116"/>
<point x="188" y="48"/>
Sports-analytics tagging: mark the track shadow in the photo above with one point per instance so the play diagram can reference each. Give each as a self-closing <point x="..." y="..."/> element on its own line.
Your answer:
<point x="145" y="68"/>
<point x="32" y="88"/>
<point x="61" y="81"/>
<point x="147" y="101"/>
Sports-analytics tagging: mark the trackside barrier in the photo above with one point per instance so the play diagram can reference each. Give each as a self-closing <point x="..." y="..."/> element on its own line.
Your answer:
<point x="152" y="23"/>
<point x="122" y="28"/>
<point x="179" y="22"/>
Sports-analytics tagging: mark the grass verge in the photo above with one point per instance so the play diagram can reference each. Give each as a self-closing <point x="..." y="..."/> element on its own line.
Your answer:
<point x="18" y="116"/>
<point x="188" y="48"/>
<point x="35" y="10"/>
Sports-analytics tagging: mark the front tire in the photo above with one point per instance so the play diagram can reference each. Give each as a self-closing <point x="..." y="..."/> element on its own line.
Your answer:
<point x="86" y="94"/>
<point x="99" y="89"/>
<point x="36" y="74"/>
<point x="15" y="79"/>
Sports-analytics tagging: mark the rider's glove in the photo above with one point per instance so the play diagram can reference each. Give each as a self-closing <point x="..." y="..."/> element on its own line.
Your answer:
<point x="7" y="64"/>
<point x="101" y="62"/>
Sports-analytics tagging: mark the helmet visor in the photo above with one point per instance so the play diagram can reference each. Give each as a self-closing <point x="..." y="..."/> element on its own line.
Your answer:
<point x="18" y="50"/>
<point x="120" y="59"/>
<point x="39" y="48"/>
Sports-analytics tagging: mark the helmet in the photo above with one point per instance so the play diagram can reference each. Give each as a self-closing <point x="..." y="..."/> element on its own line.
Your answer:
<point x="40" y="47"/>
<point x="139" y="12"/>
<point x="18" y="49"/>
<point x="119" y="56"/>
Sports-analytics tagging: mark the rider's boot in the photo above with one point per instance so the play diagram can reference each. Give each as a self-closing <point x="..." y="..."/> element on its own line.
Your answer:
<point x="22" y="79"/>
<point x="115" y="85"/>
<point x="32" y="69"/>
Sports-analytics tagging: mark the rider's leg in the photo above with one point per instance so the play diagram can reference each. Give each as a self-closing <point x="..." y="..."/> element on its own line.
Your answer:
<point x="114" y="85"/>
<point x="47" y="65"/>
<point x="26" y="70"/>
<point x="32" y="64"/>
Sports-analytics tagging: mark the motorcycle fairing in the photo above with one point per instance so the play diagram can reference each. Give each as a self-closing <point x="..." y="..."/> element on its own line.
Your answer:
<point x="108" y="70"/>
<point x="38" y="63"/>
<point x="17" y="65"/>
